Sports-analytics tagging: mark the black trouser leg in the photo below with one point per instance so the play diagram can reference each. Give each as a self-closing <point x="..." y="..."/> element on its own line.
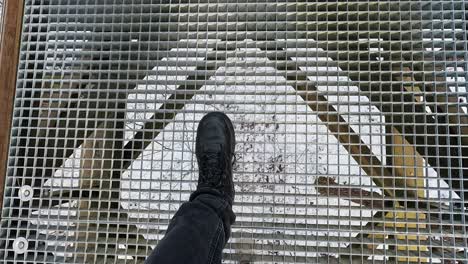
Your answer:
<point x="198" y="231"/>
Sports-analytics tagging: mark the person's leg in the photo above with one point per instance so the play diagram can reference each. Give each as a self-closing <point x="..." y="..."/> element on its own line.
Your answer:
<point x="201" y="227"/>
<point x="196" y="233"/>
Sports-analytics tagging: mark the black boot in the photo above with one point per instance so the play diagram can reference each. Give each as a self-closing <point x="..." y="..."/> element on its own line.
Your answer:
<point x="215" y="151"/>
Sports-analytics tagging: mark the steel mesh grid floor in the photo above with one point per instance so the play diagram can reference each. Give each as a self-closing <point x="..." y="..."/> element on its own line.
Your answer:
<point x="351" y="122"/>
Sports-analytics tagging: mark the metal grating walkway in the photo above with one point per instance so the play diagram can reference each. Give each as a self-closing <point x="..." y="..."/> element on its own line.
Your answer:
<point x="351" y="122"/>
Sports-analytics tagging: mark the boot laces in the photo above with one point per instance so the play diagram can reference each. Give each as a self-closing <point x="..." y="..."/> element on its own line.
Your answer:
<point x="212" y="169"/>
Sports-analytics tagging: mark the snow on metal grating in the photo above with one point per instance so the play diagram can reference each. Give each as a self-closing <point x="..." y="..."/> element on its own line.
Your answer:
<point x="351" y="122"/>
